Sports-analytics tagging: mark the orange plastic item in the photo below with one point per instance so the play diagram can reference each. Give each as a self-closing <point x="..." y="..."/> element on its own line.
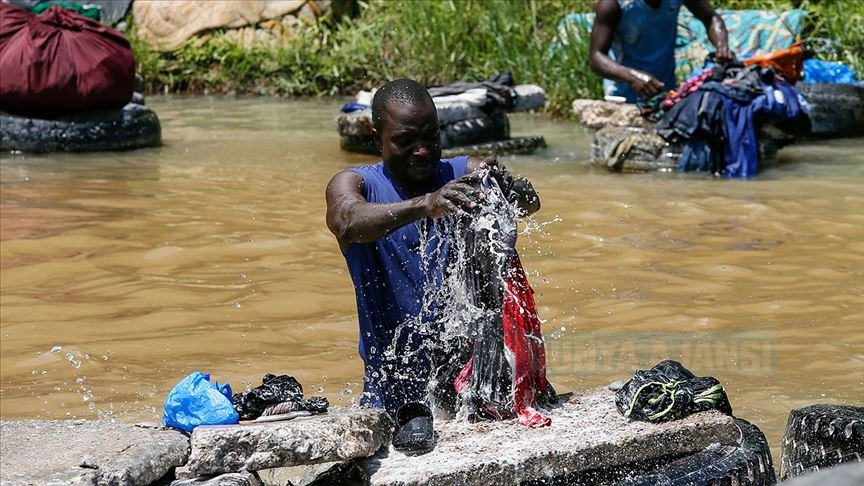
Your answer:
<point x="789" y="62"/>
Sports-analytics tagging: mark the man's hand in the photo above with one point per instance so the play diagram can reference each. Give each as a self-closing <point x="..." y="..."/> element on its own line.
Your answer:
<point x="457" y="196"/>
<point x="723" y="55"/>
<point x="502" y="176"/>
<point x="645" y="84"/>
<point x="715" y="27"/>
<point x="518" y="191"/>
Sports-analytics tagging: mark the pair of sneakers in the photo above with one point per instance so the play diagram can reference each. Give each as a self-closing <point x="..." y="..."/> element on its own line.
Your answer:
<point x="414" y="432"/>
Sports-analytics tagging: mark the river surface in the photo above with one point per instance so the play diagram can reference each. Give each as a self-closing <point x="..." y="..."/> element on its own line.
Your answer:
<point x="123" y="272"/>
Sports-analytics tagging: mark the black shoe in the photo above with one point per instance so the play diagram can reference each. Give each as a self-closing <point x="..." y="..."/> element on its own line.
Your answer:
<point x="414" y="432"/>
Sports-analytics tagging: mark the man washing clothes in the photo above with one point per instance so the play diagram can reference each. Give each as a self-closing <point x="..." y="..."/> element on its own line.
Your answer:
<point x="375" y="213"/>
<point x="641" y="36"/>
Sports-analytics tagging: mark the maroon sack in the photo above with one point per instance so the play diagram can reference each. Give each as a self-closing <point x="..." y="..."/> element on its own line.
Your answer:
<point x="60" y="62"/>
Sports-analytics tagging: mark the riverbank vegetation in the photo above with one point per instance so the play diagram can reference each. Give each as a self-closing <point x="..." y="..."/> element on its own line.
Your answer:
<point x="435" y="42"/>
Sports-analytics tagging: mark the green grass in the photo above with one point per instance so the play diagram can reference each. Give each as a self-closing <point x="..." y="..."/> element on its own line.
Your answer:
<point x="434" y="42"/>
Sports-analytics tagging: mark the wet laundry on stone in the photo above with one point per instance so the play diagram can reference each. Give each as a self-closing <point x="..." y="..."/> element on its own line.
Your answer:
<point x="497" y="92"/>
<point x="720" y="120"/>
<point x="669" y="391"/>
<point x="278" y="396"/>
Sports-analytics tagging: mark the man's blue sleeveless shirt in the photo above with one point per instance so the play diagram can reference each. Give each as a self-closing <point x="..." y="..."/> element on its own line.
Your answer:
<point x="645" y="40"/>
<point x="389" y="278"/>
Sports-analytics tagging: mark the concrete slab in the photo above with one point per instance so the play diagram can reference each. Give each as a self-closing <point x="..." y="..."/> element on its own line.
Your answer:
<point x="49" y="452"/>
<point x="587" y="432"/>
<point x="340" y="434"/>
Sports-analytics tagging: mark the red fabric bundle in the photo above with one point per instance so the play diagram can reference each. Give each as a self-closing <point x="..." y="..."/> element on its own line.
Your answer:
<point x="526" y="351"/>
<point x="60" y="62"/>
<point x="523" y="338"/>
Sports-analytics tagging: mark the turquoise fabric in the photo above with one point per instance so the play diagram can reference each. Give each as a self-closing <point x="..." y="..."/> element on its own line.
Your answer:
<point x="751" y="33"/>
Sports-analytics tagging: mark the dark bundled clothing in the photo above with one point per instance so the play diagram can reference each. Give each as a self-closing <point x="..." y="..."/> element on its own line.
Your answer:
<point x="719" y="121"/>
<point x="488" y="259"/>
<point x="276" y="390"/>
<point x="500" y="94"/>
<point x="700" y="119"/>
<point x="669" y="391"/>
<point x="61" y="63"/>
<point x="700" y="114"/>
<point x="741" y="151"/>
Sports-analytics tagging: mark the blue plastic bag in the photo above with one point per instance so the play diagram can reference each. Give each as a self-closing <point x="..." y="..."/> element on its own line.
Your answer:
<point x="816" y="71"/>
<point x="349" y="107"/>
<point x="195" y="401"/>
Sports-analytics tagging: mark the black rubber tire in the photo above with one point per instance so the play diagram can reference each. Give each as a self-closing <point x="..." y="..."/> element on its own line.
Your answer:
<point x="746" y="463"/>
<point x="361" y="144"/>
<point x="849" y="474"/>
<point x="837" y="110"/>
<point x="133" y="126"/>
<point x="519" y="145"/>
<point x="821" y="436"/>
<point x="475" y="130"/>
<point x="457" y="134"/>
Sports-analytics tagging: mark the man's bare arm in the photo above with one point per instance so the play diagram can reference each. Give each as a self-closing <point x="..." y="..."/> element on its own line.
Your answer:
<point x="607" y="16"/>
<point x="353" y="219"/>
<point x="715" y="27"/>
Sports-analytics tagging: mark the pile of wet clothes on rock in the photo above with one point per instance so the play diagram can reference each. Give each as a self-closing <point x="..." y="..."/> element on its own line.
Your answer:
<point x="493" y="94"/>
<point x="669" y="391"/>
<point x="277" y="398"/>
<point x="195" y="400"/>
<point x="718" y="112"/>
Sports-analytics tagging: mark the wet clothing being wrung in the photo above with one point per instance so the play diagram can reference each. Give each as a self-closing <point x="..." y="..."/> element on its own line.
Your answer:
<point x="505" y="375"/>
<point x="389" y="277"/>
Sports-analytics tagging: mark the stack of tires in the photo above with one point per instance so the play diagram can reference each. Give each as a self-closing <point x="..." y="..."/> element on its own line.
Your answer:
<point x="465" y="128"/>
<point x="130" y="127"/>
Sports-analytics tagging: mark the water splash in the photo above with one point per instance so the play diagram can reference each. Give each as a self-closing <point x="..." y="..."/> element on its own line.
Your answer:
<point x="460" y="252"/>
<point x="74" y="362"/>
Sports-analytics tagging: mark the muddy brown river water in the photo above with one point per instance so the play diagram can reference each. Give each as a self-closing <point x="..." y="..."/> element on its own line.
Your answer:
<point x="123" y="272"/>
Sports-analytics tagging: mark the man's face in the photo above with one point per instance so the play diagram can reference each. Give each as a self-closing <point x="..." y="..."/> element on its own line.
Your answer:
<point x="411" y="141"/>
